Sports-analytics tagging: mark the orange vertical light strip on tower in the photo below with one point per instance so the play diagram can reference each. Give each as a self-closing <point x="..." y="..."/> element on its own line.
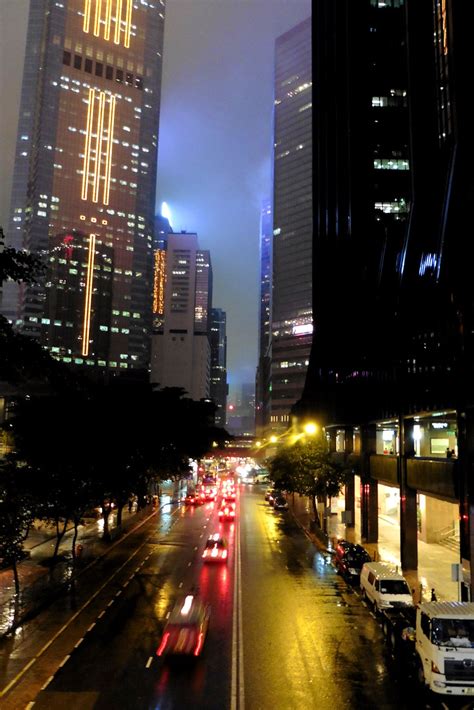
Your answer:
<point x="128" y="23"/>
<point x="87" y="144"/>
<point x="108" y="155"/>
<point x="88" y="296"/>
<point x="98" y="17"/>
<point x="98" y="147"/>
<point x="108" y="19"/>
<point x="118" y="22"/>
<point x="87" y="15"/>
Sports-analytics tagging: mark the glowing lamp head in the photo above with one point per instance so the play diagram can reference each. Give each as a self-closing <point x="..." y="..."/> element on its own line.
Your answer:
<point x="310" y="428"/>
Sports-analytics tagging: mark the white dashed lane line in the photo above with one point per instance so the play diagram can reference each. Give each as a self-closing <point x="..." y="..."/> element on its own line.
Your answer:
<point x="101" y="614"/>
<point x="195" y="548"/>
<point x="111" y="602"/>
<point x="189" y="564"/>
<point x="43" y="687"/>
<point x="91" y="627"/>
<point x="168" y="615"/>
<point x="64" y="661"/>
<point x="79" y="642"/>
<point x="180" y="584"/>
<point x="30" y="705"/>
<point x="117" y="594"/>
<point x="149" y="662"/>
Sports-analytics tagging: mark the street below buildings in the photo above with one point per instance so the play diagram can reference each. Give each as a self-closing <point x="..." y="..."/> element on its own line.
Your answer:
<point x="285" y="631"/>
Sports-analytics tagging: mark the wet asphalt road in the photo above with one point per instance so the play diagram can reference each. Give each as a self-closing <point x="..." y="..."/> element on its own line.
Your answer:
<point x="302" y="637"/>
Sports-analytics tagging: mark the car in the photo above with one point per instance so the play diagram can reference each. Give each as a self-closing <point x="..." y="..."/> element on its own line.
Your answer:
<point x="268" y="493"/>
<point x="193" y="499"/>
<point x="227" y="511"/>
<point x="210" y="493"/>
<point x="215" y="549"/>
<point x="274" y="493"/>
<point x="349" y="560"/>
<point x="280" y="503"/>
<point x="229" y="495"/>
<point x="186" y="629"/>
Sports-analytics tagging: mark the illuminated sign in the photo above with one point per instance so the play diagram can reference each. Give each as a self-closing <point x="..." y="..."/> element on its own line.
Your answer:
<point x="305" y="329"/>
<point x="102" y="14"/>
<point x="88" y="296"/>
<point x="159" y="282"/>
<point x="95" y="123"/>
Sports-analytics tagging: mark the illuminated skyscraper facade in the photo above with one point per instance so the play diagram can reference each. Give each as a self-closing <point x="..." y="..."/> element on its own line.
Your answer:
<point x="181" y="352"/>
<point x="86" y="163"/>
<point x="219" y="387"/>
<point x="292" y="319"/>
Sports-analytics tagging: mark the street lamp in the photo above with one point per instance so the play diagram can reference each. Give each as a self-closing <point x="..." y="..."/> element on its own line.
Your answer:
<point x="310" y="428"/>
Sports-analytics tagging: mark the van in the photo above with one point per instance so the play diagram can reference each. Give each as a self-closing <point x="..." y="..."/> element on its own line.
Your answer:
<point x="384" y="587"/>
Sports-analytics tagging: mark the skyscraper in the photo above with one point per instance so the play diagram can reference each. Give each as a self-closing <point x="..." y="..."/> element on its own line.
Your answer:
<point x="292" y="318"/>
<point x="219" y="386"/>
<point x="86" y="167"/>
<point x="181" y="354"/>
<point x="262" y="384"/>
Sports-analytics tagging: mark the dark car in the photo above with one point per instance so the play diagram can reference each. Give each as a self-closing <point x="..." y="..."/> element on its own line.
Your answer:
<point x="350" y="559"/>
<point x="280" y="503"/>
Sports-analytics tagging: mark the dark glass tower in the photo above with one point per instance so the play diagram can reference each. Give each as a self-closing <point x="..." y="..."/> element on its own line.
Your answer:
<point x="86" y="162"/>
<point x="219" y="386"/>
<point x="262" y="384"/>
<point x="292" y="319"/>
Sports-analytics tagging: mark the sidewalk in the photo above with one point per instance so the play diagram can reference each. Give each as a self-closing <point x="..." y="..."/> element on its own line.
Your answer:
<point x="40" y="583"/>
<point x="434" y="561"/>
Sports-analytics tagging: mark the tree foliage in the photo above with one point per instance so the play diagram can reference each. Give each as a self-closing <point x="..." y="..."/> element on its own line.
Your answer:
<point x="308" y="468"/>
<point x="16" y="514"/>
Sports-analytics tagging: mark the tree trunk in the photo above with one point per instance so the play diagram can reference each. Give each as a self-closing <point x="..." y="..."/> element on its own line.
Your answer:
<point x="315" y="511"/>
<point x="120" y="506"/>
<point x="106" y="509"/>
<point x="59" y="536"/>
<point x="74" y="539"/>
<point x="16" y="577"/>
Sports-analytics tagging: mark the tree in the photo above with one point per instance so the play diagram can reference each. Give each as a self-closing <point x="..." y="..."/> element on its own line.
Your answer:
<point x="19" y="266"/>
<point x="308" y="468"/>
<point x="16" y="515"/>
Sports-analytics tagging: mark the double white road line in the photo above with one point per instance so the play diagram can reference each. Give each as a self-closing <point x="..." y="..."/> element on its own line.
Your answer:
<point x="237" y="698"/>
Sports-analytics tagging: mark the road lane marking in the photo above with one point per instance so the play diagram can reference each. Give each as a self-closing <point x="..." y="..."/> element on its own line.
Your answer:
<point x="79" y="642"/>
<point x="180" y="584"/>
<point x="149" y="662"/>
<point x="47" y="682"/>
<point x="30" y="705"/>
<point x="65" y="660"/>
<point x="118" y="593"/>
<point x="90" y="627"/>
<point x="237" y="699"/>
<point x="111" y="602"/>
<point x="60" y="631"/>
<point x="168" y="615"/>
<point x="101" y="614"/>
<point x="195" y="547"/>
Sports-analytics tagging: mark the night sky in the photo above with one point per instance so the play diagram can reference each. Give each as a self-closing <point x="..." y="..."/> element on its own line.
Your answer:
<point x="214" y="162"/>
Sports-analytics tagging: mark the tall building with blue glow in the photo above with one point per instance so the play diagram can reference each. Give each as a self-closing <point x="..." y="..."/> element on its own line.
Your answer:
<point x="85" y="168"/>
<point x="292" y="316"/>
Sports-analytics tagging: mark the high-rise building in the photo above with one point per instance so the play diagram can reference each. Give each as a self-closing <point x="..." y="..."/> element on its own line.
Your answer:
<point x="219" y="386"/>
<point x="86" y="163"/>
<point x="391" y="369"/>
<point x="160" y="243"/>
<point x="292" y="317"/>
<point x="181" y="354"/>
<point x="262" y="383"/>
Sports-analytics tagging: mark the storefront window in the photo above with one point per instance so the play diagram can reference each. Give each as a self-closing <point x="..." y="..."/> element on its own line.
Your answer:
<point x="387" y="439"/>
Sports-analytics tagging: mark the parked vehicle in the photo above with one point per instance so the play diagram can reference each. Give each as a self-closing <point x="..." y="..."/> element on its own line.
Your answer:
<point x="280" y="503"/>
<point x="349" y="560"/>
<point x="384" y="587"/>
<point x="436" y="642"/>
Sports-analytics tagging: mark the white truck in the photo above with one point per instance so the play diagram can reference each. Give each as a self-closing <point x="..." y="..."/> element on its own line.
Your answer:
<point x="437" y="640"/>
